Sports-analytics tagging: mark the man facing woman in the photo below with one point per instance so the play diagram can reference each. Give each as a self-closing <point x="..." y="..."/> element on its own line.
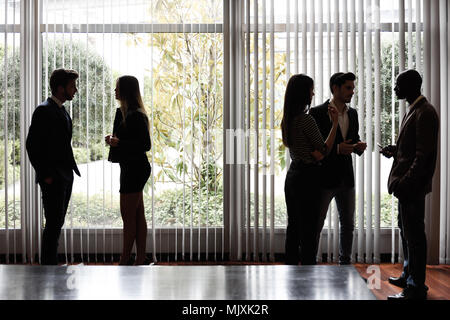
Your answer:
<point x="306" y="148"/>
<point x="129" y="143"/>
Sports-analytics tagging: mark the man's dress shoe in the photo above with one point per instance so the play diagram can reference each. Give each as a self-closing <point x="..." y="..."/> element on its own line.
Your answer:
<point x="398" y="281"/>
<point x="410" y="293"/>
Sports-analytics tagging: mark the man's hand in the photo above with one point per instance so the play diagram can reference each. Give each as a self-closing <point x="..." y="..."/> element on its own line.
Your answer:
<point x="108" y="139"/>
<point x="346" y="147"/>
<point x="114" y="142"/>
<point x="360" y="146"/>
<point x="388" y="151"/>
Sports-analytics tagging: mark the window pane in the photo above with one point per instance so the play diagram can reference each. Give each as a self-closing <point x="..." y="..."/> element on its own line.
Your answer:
<point x="180" y="76"/>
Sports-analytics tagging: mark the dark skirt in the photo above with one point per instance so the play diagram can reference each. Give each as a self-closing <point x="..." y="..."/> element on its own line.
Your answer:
<point x="134" y="175"/>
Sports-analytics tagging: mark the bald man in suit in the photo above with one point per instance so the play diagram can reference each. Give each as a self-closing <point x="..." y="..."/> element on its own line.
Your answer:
<point x="410" y="181"/>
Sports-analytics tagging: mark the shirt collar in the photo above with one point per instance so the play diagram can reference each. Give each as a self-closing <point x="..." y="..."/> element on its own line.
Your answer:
<point x="416" y="101"/>
<point x="59" y="103"/>
<point x="334" y="105"/>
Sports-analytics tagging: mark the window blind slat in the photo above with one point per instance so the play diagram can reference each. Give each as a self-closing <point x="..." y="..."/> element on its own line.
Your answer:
<point x="345" y="37"/>
<point x="353" y="102"/>
<point x="247" y="142"/>
<point x="288" y="65"/>
<point x="264" y="129"/>
<point x="272" y="135"/>
<point x="360" y="163"/>
<point x="336" y="36"/>
<point x="418" y="37"/>
<point x="6" y="136"/>
<point x="401" y="13"/>
<point x="152" y="137"/>
<point x="369" y="130"/>
<point x="410" y="35"/>
<point x="256" y="137"/>
<point x="304" y="37"/>
<point x="377" y="106"/>
<point x="296" y="35"/>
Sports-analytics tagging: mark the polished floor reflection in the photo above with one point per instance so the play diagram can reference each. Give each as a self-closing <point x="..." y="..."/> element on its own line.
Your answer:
<point x="182" y="283"/>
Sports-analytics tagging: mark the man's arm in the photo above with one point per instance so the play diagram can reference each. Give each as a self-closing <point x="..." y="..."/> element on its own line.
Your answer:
<point x="37" y="143"/>
<point x="359" y="146"/>
<point x="427" y="126"/>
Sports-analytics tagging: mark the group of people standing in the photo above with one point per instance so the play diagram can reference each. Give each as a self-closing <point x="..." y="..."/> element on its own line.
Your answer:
<point x="50" y="152"/>
<point x="320" y="142"/>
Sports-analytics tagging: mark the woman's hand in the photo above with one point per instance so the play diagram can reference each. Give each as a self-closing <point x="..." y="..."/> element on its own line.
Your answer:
<point x="113" y="141"/>
<point x="317" y="155"/>
<point x="334" y="114"/>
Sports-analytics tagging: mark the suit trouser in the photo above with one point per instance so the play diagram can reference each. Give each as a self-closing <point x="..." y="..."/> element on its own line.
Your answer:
<point x="414" y="242"/>
<point x="55" y="197"/>
<point x="301" y="191"/>
<point x="345" y="202"/>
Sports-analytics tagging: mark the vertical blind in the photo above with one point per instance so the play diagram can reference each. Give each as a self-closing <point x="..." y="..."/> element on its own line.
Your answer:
<point x="176" y="52"/>
<point x="10" y="193"/>
<point x="213" y="76"/>
<point x="174" y="49"/>
<point x="359" y="36"/>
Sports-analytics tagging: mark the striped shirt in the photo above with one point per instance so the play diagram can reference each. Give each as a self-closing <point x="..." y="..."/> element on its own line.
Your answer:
<point x="305" y="137"/>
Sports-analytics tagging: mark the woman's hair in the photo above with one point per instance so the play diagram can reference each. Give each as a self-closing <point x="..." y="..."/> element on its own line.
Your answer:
<point x="296" y="101"/>
<point x="129" y="95"/>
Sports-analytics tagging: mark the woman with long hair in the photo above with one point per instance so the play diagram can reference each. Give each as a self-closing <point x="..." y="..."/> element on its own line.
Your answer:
<point x="129" y="143"/>
<point x="306" y="148"/>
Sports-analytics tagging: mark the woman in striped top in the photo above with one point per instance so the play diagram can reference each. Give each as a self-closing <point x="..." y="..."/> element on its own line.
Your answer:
<point x="306" y="148"/>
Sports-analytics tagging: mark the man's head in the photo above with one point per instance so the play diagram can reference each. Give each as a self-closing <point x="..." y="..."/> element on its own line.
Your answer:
<point x="342" y="86"/>
<point x="408" y="84"/>
<point x="63" y="84"/>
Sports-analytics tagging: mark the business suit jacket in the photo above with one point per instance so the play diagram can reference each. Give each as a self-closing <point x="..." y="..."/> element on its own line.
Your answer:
<point x="337" y="169"/>
<point x="49" y="143"/>
<point x="415" y="152"/>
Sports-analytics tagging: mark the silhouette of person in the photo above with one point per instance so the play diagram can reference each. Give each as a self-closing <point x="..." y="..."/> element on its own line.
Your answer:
<point x="410" y="180"/>
<point x="49" y="148"/>
<point x="306" y="149"/>
<point x="337" y="177"/>
<point x="129" y="143"/>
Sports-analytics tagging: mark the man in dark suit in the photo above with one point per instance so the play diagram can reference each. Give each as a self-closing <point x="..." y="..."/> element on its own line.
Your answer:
<point x="410" y="180"/>
<point x="337" y="178"/>
<point x="50" y="152"/>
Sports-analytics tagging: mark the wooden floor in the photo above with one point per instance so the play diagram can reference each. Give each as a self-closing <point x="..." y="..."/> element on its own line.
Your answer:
<point x="437" y="280"/>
